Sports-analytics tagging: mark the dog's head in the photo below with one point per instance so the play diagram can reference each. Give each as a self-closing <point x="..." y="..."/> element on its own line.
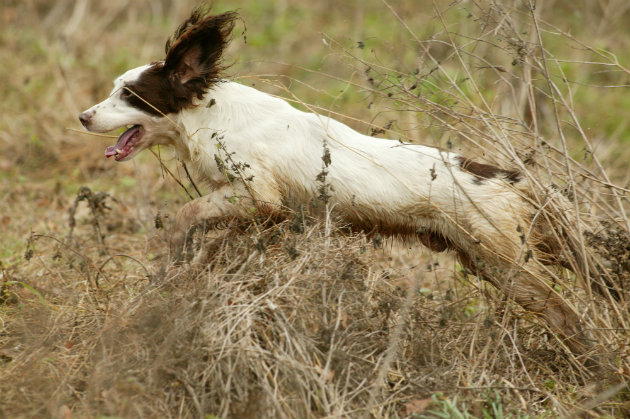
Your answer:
<point x="143" y="98"/>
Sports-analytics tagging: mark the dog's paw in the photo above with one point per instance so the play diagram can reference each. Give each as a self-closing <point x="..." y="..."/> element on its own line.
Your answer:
<point x="180" y="243"/>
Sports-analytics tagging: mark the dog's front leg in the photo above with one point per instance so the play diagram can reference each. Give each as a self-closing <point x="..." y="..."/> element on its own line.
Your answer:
<point x="223" y="203"/>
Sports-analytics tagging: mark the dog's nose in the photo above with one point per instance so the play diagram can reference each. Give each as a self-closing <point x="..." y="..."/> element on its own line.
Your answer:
<point x="85" y="118"/>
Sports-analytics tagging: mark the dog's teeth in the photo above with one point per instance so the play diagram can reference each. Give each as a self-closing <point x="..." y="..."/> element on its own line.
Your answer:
<point x="118" y="151"/>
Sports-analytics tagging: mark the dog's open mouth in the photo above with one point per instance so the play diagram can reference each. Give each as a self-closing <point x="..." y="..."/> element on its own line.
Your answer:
<point x="126" y="143"/>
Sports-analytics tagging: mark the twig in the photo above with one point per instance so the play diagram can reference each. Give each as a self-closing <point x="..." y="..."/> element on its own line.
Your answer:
<point x="171" y="174"/>
<point x="100" y="269"/>
<point x="191" y="179"/>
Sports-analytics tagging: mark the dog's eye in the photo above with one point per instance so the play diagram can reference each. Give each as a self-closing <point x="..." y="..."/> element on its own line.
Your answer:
<point x="125" y="92"/>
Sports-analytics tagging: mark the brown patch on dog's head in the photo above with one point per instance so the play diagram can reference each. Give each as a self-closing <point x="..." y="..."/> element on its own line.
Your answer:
<point x="483" y="171"/>
<point x="192" y="65"/>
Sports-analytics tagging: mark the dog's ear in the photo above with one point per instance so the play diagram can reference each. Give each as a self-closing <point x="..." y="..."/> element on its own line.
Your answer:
<point x="189" y="65"/>
<point x="193" y="54"/>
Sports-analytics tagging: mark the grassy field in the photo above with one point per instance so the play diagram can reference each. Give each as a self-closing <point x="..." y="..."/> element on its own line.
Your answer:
<point x="302" y="319"/>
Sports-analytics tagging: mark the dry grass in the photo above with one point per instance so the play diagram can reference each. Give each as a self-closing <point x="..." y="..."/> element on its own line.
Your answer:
<point x="302" y="318"/>
<point x="293" y="322"/>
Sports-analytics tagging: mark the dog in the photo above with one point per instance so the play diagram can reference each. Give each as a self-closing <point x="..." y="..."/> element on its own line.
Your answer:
<point x="259" y="152"/>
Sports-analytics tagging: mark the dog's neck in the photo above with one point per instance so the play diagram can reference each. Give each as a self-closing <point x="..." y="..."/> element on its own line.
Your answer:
<point x="229" y="118"/>
<point x="227" y="107"/>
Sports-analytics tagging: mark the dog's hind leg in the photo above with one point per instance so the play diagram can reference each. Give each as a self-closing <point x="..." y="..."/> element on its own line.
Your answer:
<point x="529" y="287"/>
<point x="506" y="264"/>
<point x="506" y="256"/>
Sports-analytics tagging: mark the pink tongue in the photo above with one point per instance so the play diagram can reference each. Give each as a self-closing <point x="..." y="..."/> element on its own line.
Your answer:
<point x="122" y="141"/>
<point x="110" y="151"/>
